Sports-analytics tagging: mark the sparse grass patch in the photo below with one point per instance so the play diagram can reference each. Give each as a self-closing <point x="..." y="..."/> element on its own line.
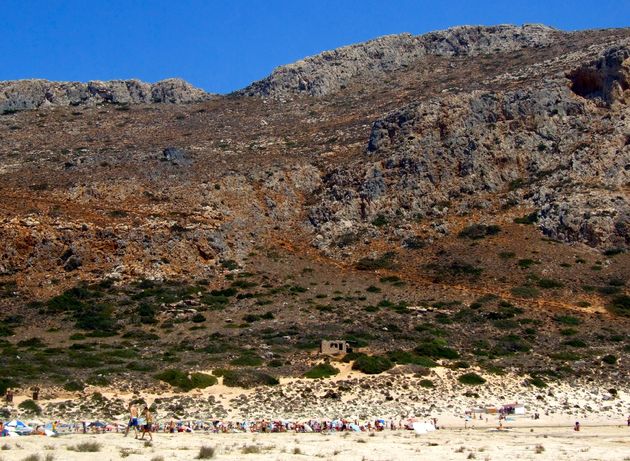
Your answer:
<point x="86" y="447"/>
<point x="206" y="452"/>
<point x="250" y="449"/>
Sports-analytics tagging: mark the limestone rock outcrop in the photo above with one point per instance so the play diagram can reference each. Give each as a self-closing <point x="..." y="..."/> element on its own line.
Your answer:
<point x="32" y="94"/>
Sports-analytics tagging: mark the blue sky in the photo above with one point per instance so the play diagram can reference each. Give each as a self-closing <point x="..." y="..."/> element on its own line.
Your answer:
<point x="223" y="45"/>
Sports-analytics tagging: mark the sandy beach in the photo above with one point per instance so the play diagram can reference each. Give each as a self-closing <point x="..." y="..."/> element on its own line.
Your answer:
<point x="520" y="442"/>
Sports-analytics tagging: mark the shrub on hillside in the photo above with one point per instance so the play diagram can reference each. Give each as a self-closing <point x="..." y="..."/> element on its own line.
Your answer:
<point x="436" y="349"/>
<point x="186" y="381"/>
<point x="471" y="379"/>
<point x="247" y="378"/>
<point x="321" y="370"/>
<point x="385" y="261"/>
<point x="372" y="364"/>
<point x="620" y="305"/>
<point x="30" y="406"/>
<point x="478" y="231"/>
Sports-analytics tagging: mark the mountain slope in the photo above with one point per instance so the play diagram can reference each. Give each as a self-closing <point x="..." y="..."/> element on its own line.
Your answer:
<point x="464" y="189"/>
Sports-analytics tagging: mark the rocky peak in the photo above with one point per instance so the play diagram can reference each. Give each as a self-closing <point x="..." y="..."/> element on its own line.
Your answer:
<point x="330" y="71"/>
<point x="32" y="94"/>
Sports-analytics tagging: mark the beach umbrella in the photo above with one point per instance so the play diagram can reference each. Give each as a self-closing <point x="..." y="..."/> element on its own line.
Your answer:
<point x="355" y="428"/>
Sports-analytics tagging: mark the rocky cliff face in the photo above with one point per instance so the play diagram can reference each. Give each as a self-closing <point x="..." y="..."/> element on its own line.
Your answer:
<point x="33" y="94"/>
<point x="546" y="145"/>
<point x="330" y="71"/>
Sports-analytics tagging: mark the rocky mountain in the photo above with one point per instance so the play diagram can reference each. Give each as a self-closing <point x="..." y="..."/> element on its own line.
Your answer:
<point x="331" y="71"/>
<point x="464" y="189"/>
<point x="33" y="94"/>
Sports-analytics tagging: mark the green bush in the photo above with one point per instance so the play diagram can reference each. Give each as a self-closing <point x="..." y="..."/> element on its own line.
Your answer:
<point x="609" y="359"/>
<point x="436" y="349"/>
<point x="247" y="360"/>
<point x="6" y="383"/>
<point x="471" y="379"/>
<point x="380" y="221"/>
<point x="372" y="364"/>
<point x="525" y="292"/>
<point x="506" y="324"/>
<point x="565" y="356"/>
<point x="186" y="381"/>
<point x="527" y="219"/>
<point x="30" y="406"/>
<point x="568" y="331"/>
<point x="247" y="378"/>
<point x="74" y="386"/>
<point x="198" y="318"/>
<point x="537" y="382"/>
<point x="410" y="358"/>
<point x="620" y="305"/>
<point x="414" y="243"/>
<point x="575" y="342"/>
<point x="426" y="383"/>
<point x="567" y="320"/>
<point x="549" y="283"/>
<point x="510" y="344"/>
<point x="33" y="343"/>
<point x="385" y="261"/>
<point x="525" y="263"/>
<point x="478" y="231"/>
<point x="321" y="370"/>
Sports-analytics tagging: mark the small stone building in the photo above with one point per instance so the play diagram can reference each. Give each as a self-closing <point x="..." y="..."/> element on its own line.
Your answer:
<point x="334" y="347"/>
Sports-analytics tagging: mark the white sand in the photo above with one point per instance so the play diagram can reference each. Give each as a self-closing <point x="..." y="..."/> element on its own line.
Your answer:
<point x="608" y="443"/>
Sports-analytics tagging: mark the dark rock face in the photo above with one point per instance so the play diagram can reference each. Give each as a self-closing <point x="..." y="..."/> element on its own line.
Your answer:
<point x="33" y="94"/>
<point x="330" y="71"/>
<point x="607" y="79"/>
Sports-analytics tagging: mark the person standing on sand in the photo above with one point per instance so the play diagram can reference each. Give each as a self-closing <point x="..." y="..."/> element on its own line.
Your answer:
<point x="576" y="428"/>
<point x="148" y="423"/>
<point x="133" y="420"/>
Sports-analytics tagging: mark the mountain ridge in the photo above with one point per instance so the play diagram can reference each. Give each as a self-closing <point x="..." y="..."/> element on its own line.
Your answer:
<point x="38" y="93"/>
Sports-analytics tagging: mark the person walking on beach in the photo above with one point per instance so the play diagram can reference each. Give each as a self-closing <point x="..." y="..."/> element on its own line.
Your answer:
<point x="576" y="428"/>
<point x="133" y="420"/>
<point x="148" y="423"/>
